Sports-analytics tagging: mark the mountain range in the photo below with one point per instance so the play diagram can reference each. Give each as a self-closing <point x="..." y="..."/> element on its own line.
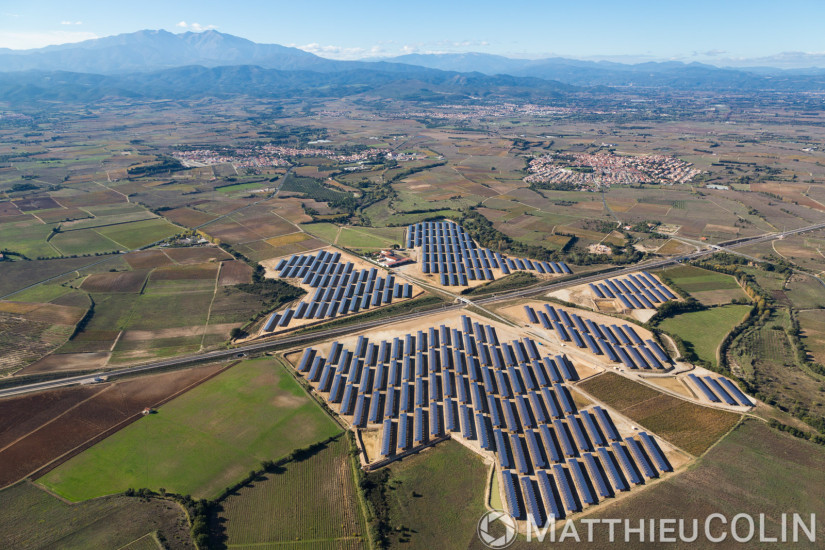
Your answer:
<point x="157" y="63"/>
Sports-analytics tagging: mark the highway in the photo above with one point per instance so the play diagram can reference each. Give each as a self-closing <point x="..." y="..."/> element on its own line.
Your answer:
<point x="294" y="340"/>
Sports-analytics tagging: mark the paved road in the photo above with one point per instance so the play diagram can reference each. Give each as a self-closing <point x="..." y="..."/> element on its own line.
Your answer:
<point x="333" y="332"/>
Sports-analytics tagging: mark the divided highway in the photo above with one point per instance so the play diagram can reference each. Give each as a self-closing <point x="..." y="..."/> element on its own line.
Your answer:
<point x="294" y="340"/>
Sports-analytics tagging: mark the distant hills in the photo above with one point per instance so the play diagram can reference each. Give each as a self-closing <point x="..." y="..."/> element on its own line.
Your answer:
<point x="670" y="74"/>
<point x="157" y="63"/>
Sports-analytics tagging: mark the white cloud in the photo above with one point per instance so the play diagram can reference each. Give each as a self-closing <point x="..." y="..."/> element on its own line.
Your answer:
<point x="196" y="27"/>
<point x="71" y="22"/>
<point x="28" y="40"/>
<point x="340" y="52"/>
<point x="389" y="48"/>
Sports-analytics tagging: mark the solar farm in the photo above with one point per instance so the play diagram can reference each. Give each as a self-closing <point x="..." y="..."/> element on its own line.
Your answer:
<point x="637" y="295"/>
<point x="448" y="251"/>
<point x="615" y="343"/>
<point x="719" y="390"/>
<point x="338" y="288"/>
<point x="641" y="291"/>
<point x="507" y="400"/>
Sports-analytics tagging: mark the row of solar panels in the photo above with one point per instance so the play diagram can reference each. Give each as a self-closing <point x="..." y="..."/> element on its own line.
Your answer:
<point x="641" y="291"/>
<point x="448" y="250"/>
<point x="474" y="347"/>
<point x="396" y="379"/>
<point x="531" y="428"/>
<point x="340" y="289"/>
<point x="618" y="344"/>
<point x="556" y="491"/>
<point x="720" y="389"/>
<point x="501" y="400"/>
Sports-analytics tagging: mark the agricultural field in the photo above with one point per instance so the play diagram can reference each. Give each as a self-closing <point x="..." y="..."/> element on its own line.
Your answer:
<point x="172" y="301"/>
<point x="768" y="361"/>
<point x="704" y="330"/>
<point x="28" y="331"/>
<point x="357" y="238"/>
<point x="307" y="502"/>
<point x="812" y="323"/>
<point x="19" y="275"/>
<point x="202" y="441"/>
<point x="436" y="497"/>
<point x="688" y="426"/>
<point x="139" y="234"/>
<point x="34" y="519"/>
<point x="39" y="428"/>
<point x="805" y="291"/>
<point x="709" y="287"/>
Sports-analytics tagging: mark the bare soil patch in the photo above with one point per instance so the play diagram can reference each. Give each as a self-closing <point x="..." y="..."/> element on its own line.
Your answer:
<point x="124" y="281"/>
<point x="234" y="272"/>
<point x="147" y="259"/>
<point x="186" y="272"/>
<point x="36" y="203"/>
<point x="67" y="362"/>
<point x="196" y="255"/>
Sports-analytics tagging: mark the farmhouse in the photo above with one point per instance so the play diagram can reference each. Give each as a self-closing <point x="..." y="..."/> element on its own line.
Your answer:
<point x="390" y="259"/>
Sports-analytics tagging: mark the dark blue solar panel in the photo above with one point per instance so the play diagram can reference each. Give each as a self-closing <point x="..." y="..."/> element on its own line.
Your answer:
<point x="606" y="424"/>
<point x="655" y="453"/>
<point x="719" y="390"/>
<point x="551" y="496"/>
<point x="736" y="392"/>
<point x="551" y="445"/>
<point x="626" y="462"/>
<point x="612" y="470"/>
<point x="582" y="481"/>
<point x="641" y="458"/>
<point x="596" y="475"/>
<point x="703" y="388"/>
<point x="565" y="489"/>
<point x="512" y="495"/>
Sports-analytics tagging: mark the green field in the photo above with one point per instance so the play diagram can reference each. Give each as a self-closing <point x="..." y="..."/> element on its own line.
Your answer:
<point x="690" y="427"/>
<point x="33" y="519"/>
<point x="708" y="287"/>
<point x="312" y="499"/>
<point x="705" y="330"/>
<point x="436" y="497"/>
<point x="812" y="323"/>
<point x="41" y="293"/>
<point x="242" y="187"/>
<point x="806" y="292"/>
<point x="136" y="234"/>
<point x="27" y="238"/>
<point x="83" y="241"/>
<point x="202" y="441"/>
<point x="369" y="237"/>
<point x="325" y="231"/>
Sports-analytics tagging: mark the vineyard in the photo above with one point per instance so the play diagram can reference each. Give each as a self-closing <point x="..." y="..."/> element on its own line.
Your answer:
<point x="312" y="500"/>
<point x="314" y="189"/>
<point x="23" y="341"/>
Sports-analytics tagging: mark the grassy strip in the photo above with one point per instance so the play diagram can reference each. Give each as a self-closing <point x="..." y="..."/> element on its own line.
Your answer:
<point x="514" y="281"/>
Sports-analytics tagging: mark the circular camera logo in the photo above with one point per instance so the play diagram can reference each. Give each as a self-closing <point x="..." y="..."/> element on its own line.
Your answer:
<point x="497" y="529"/>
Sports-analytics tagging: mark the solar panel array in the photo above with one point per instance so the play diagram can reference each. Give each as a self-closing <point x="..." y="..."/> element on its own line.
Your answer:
<point x="508" y="396"/>
<point x="617" y="344"/>
<point x="448" y="250"/>
<point x="642" y="291"/>
<point x="340" y="289"/>
<point x="720" y="390"/>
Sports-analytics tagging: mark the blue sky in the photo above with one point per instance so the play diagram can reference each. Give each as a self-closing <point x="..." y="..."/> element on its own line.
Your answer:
<point x="634" y="30"/>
